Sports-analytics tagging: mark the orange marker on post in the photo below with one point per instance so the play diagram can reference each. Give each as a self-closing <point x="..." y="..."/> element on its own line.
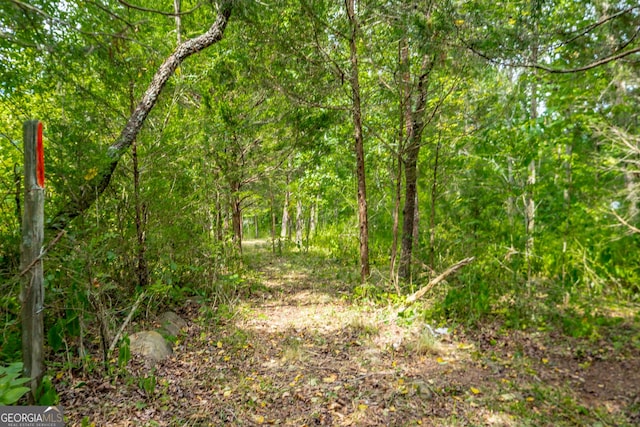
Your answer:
<point x="40" y="157"/>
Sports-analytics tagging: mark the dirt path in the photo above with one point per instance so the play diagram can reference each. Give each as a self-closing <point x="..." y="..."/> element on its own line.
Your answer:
<point x="299" y="351"/>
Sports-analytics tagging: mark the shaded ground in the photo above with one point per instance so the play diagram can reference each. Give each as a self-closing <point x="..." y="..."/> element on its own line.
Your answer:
<point x="299" y="351"/>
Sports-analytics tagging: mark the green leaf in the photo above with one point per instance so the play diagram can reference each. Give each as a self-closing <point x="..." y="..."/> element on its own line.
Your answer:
<point x="12" y="395"/>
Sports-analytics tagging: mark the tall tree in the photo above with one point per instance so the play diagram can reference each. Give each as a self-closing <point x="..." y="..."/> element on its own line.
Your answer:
<point x="356" y="111"/>
<point x="430" y="52"/>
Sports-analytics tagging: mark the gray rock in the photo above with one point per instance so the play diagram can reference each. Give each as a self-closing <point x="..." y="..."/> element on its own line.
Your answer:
<point x="150" y="344"/>
<point x="171" y="323"/>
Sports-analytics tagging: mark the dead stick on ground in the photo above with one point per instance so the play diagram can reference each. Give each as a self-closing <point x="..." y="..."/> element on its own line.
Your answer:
<point x="420" y="293"/>
<point x="125" y="323"/>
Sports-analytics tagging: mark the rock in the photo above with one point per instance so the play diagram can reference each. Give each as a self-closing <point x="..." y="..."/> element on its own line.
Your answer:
<point x="149" y="344"/>
<point x="171" y="323"/>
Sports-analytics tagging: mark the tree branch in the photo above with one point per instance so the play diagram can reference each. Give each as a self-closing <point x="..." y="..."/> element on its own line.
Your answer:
<point x="94" y="188"/>
<point x="115" y="340"/>
<point x="159" y="12"/>
<point x="551" y="70"/>
<point x="590" y="66"/>
<point x="602" y="21"/>
<point x="626" y="223"/>
<point x="420" y="293"/>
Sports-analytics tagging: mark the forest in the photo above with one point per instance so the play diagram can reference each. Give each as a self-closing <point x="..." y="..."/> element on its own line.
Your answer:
<point x="329" y="212"/>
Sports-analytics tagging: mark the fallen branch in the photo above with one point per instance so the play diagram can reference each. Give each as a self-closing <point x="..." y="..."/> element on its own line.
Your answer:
<point x="115" y="340"/>
<point x="420" y="293"/>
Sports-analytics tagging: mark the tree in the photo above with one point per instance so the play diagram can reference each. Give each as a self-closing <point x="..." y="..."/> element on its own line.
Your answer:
<point x="356" y="111"/>
<point x="100" y="176"/>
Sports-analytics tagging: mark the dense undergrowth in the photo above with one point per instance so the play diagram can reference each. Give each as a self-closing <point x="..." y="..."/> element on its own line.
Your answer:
<point x="87" y="303"/>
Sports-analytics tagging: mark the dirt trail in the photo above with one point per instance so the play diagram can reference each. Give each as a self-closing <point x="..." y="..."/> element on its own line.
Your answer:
<point x="299" y="351"/>
<point x="333" y="362"/>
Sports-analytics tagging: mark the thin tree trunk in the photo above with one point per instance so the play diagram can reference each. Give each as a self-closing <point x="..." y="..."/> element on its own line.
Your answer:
<point x="405" y="116"/>
<point x="396" y="215"/>
<point x="632" y="192"/>
<point x="256" y="226"/>
<point x="176" y="8"/>
<point x="94" y="188"/>
<point x="219" y="219"/>
<point x="410" y="179"/>
<point x="310" y="225"/>
<point x="17" y="182"/>
<point x="432" y="210"/>
<point x="412" y="152"/>
<point x="273" y="220"/>
<point x="356" y="111"/>
<point x="285" y="214"/>
<point x="236" y="216"/>
<point x="416" y="222"/>
<point x="567" y="207"/>
<point x="313" y="219"/>
<point x="299" y="223"/>
<point x="511" y="202"/>
<point x="142" y="270"/>
<point x="530" y="205"/>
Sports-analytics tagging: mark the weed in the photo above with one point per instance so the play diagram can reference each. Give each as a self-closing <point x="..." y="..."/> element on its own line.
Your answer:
<point x="423" y="343"/>
<point x="11" y="384"/>
<point x="148" y="385"/>
<point x="363" y="325"/>
<point x="292" y="349"/>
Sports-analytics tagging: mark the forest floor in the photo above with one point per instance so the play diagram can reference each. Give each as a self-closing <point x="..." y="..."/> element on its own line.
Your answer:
<point x="299" y="350"/>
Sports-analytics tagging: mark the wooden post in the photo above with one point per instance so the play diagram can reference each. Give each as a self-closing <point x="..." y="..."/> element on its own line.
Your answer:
<point x="32" y="291"/>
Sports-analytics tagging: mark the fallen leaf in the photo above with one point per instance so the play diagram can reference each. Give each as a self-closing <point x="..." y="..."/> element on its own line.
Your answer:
<point x="441" y="361"/>
<point x="259" y="419"/>
<point x="474" y="390"/>
<point x="330" y="379"/>
<point x="363" y="407"/>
